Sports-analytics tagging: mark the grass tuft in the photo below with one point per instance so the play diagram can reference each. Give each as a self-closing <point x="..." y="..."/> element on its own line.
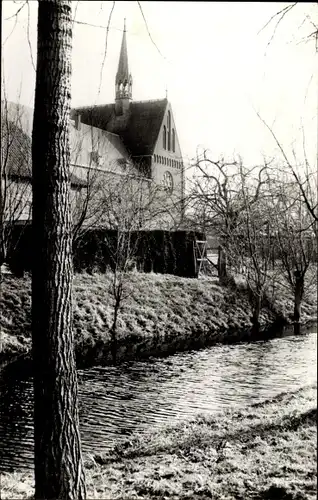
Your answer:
<point x="255" y="453"/>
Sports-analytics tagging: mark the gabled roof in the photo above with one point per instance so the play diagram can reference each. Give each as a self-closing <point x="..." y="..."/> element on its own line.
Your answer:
<point x="16" y="154"/>
<point x="139" y="128"/>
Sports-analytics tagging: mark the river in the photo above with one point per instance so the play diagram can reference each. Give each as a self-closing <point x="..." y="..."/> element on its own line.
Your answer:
<point x="116" y="402"/>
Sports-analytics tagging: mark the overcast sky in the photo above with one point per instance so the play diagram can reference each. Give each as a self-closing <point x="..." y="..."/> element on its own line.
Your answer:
<point x="209" y="56"/>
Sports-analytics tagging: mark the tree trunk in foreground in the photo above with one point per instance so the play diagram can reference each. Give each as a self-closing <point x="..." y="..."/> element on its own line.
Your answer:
<point x="58" y="462"/>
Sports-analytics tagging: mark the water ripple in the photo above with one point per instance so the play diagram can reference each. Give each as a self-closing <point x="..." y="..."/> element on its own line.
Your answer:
<point x="116" y="402"/>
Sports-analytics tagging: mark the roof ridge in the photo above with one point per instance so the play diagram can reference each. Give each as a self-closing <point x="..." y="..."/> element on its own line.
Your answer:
<point x="96" y="106"/>
<point x="151" y="100"/>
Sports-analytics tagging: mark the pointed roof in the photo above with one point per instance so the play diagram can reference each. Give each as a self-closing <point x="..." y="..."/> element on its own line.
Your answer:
<point x="123" y="75"/>
<point x="139" y="129"/>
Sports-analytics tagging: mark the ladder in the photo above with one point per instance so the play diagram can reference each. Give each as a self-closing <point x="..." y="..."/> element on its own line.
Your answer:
<point x="201" y="263"/>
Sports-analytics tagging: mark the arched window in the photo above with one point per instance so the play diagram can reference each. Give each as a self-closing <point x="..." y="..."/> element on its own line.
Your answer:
<point x="169" y="130"/>
<point x="173" y="141"/>
<point x="164" y="137"/>
<point x="167" y="182"/>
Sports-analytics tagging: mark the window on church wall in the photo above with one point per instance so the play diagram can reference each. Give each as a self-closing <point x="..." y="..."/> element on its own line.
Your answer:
<point x="167" y="182"/>
<point x="173" y="141"/>
<point x="164" y="137"/>
<point x="169" y="130"/>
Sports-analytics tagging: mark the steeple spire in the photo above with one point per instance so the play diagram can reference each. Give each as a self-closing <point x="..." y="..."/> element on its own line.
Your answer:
<point x="123" y="77"/>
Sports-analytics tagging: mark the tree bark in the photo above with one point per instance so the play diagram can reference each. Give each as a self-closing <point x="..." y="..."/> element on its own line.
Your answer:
<point x="256" y="312"/>
<point x="299" y="291"/>
<point x="59" y="470"/>
<point x="222" y="264"/>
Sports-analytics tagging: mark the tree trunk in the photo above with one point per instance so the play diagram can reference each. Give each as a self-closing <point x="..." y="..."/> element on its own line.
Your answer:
<point x="113" y="337"/>
<point x="299" y="291"/>
<point x="256" y="313"/>
<point x="113" y="330"/>
<point x="59" y="470"/>
<point x="222" y="264"/>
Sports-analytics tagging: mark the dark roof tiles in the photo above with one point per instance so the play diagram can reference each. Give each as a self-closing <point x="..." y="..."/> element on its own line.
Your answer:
<point x="139" y="128"/>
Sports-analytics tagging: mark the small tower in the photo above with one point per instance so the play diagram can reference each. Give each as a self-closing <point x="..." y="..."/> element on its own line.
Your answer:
<point x="123" y="82"/>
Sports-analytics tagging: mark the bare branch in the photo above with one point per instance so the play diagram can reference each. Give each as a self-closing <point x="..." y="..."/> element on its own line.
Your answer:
<point x="28" y="36"/>
<point x="17" y="12"/>
<point x="149" y="31"/>
<point x="105" y="52"/>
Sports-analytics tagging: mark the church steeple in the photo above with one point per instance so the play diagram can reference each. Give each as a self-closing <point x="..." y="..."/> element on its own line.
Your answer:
<point x="123" y="82"/>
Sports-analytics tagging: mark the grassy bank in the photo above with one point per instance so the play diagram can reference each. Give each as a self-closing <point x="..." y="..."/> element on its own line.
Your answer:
<point x="267" y="451"/>
<point x="159" y="312"/>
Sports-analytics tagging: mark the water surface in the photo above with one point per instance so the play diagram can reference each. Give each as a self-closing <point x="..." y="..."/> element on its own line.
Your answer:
<point x="116" y="402"/>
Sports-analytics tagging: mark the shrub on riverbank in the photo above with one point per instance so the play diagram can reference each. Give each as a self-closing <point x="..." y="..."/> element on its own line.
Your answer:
<point x="159" y="312"/>
<point x="266" y="451"/>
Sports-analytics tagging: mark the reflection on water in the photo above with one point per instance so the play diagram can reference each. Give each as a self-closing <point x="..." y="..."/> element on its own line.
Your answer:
<point x="116" y="402"/>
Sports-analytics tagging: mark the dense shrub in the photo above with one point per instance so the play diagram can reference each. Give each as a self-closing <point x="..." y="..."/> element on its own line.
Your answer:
<point x="166" y="252"/>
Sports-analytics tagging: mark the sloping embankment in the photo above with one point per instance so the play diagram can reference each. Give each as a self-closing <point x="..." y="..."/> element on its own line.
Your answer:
<point x="160" y="314"/>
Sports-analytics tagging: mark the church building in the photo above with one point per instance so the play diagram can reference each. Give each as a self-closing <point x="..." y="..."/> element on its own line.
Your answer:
<point x="134" y="140"/>
<point x="147" y="132"/>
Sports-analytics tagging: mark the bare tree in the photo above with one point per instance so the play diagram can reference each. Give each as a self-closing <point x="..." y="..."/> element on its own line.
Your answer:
<point x="58" y="470"/>
<point x="306" y="179"/>
<point x="130" y="204"/>
<point x="15" y="189"/>
<point x="253" y="240"/>
<point x="215" y="201"/>
<point x="295" y="239"/>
